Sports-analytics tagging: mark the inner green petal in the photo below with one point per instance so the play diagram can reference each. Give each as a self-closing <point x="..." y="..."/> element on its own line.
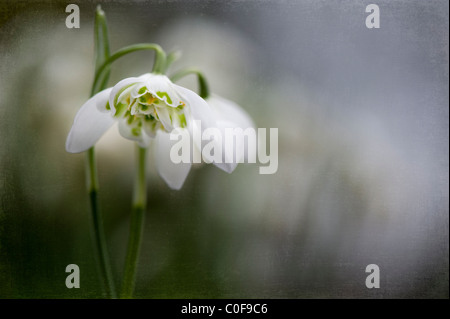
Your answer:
<point x="121" y="108"/>
<point x="164" y="94"/>
<point x="142" y="90"/>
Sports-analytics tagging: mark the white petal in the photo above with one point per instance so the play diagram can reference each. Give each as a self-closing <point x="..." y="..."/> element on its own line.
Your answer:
<point x="231" y="116"/>
<point x="200" y="110"/>
<point x="136" y="88"/>
<point x="124" y="84"/>
<point x="126" y="131"/>
<point x="164" y="117"/>
<point x="230" y="111"/>
<point x="228" y="163"/>
<point x="150" y="128"/>
<point x="125" y="92"/>
<point x="235" y="155"/>
<point x="226" y="167"/>
<point x="89" y="124"/>
<point x="158" y="84"/>
<point x="173" y="174"/>
<point x="102" y="100"/>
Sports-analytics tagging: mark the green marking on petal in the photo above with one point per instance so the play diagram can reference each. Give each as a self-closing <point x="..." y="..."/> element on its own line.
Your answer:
<point x="121" y="108"/>
<point x="164" y="94"/>
<point x="136" y="131"/>
<point x="183" y="122"/>
<point x="130" y="119"/>
<point x="108" y="107"/>
<point x="142" y="90"/>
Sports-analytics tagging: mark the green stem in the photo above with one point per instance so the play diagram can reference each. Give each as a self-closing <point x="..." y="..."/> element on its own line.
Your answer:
<point x="91" y="168"/>
<point x="158" y="66"/>
<point x="171" y="58"/>
<point x="202" y="83"/>
<point x="102" y="53"/>
<point x="136" y="225"/>
<point x="97" y="224"/>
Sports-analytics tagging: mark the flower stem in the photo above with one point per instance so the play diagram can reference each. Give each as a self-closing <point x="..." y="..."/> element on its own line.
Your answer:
<point x="136" y="225"/>
<point x="102" y="53"/>
<point x="202" y="83"/>
<point x="171" y="58"/>
<point x="97" y="225"/>
<point x="158" y="66"/>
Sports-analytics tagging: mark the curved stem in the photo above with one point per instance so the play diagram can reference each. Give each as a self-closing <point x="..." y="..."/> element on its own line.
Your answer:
<point x="202" y="83"/>
<point x="136" y="225"/>
<point x="158" y="66"/>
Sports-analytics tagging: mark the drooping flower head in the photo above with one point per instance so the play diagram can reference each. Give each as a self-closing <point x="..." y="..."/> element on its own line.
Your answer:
<point x="142" y="106"/>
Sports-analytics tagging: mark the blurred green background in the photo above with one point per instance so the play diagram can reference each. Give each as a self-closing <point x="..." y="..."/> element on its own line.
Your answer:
<point x="363" y="151"/>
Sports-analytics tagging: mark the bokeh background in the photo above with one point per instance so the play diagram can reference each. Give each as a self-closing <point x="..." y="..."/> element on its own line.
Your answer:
<point x="363" y="174"/>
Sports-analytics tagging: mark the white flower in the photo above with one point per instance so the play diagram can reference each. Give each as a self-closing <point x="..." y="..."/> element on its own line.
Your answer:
<point x="151" y="106"/>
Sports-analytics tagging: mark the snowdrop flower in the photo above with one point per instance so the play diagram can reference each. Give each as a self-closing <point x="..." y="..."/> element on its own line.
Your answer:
<point x="146" y="107"/>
